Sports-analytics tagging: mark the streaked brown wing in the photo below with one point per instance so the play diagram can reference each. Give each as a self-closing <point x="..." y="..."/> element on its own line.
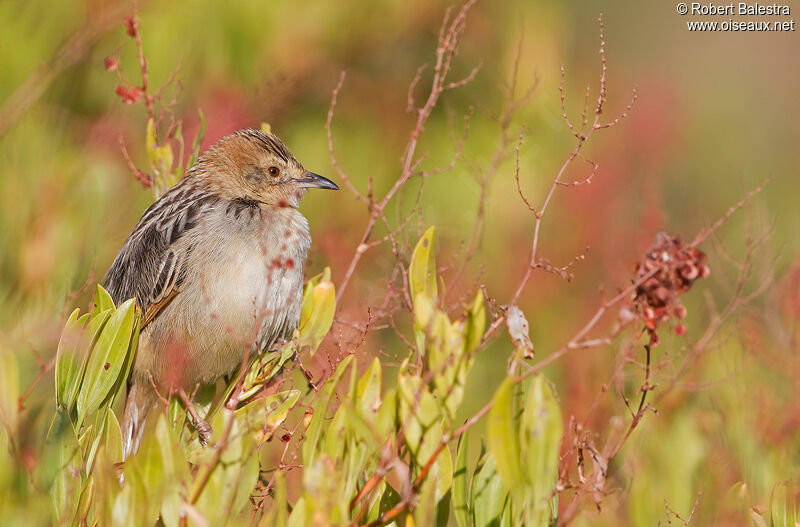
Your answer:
<point x="151" y="264"/>
<point x="154" y="309"/>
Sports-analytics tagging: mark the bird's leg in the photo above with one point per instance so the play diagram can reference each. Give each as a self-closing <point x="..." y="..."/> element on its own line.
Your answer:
<point x="204" y="429"/>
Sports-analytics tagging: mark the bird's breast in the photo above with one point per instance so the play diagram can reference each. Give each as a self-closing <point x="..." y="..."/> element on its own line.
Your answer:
<point x="262" y="275"/>
<point x="244" y="289"/>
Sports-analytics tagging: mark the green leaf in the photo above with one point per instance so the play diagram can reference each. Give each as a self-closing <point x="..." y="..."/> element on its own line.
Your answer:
<point x="260" y="371"/>
<point x="70" y="361"/>
<point x="264" y="415"/>
<point x="758" y="519"/>
<point x="509" y="520"/>
<point x="112" y="437"/>
<point x="107" y="483"/>
<point x="386" y="420"/>
<point x="488" y="495"/>
<point x="176" y="472"/>
<point x="58" y="426"/>
<point x="368" y="393"/>
<point x="540" y="438"/>
<point x="424" y="509"/>
<point x="443" y="510"/>
<point x="9" y="389"/>
<point x="350" y="439"/>
<point x="85" y="500"/>
<point x="161" y="160"/>
<point x="420" y="415"/>
<point x="324" y="485"/>
<point x="319" y="418"/>
<point x="374" y="503"/>
<point x="389" y="499"/>
<point x="335" y="438"/>
<point x="441" y="473"/>
<point x="130" y="356"/>
<point x="130" y="506"/>
<point x="97" y="322"/>
<point x="277" y="515"/>
<point x="107" y="359"/>
<point x="447" y="361"/>
<point x="461" y="504"/>
<point x="422" y="285"/>
<point x="83" y="349"/>
<point x="102" y="300"/>
<point x="66" y="486"/>
<point x="422" y="269"/>
<point x="150" y="142"/>
<point x="155" y="472"/>
<point x="198" y="140"/>
<point x="160" y="157"/>
<point x="424" y="311"/>
<point x="785" y="504"/>
<point x="370" y="438"/>
<point x="475" y="323"/>
<point x="503" y="435"/>
<point x="317" y="310"/>
<point x="423" y="424"/>
<point x="231" y="476"/>
<point x="302" y="514"/>
<point x="93" y="436"/>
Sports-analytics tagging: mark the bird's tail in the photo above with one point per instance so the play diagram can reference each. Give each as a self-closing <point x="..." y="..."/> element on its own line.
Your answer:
<point x="141" y="399"/>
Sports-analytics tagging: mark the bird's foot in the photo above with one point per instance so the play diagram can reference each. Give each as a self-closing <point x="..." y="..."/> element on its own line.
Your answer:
<point x="204" y="431"/>
<point x="278" y="344"/>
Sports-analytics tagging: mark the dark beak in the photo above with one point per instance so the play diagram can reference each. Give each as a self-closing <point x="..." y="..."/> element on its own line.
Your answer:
<point x="312" y="180"/>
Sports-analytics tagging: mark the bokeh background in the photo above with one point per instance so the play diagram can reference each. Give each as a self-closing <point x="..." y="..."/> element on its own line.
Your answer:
<point x="717" y="114"/>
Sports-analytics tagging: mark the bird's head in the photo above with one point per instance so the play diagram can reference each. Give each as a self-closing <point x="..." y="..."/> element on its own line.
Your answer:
<point x="255" y="165"/>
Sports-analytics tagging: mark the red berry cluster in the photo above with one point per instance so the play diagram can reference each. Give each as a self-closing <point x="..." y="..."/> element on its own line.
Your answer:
<point x="669" y="269"/>
<point x="132" y="26"/>
<point x="129" y="93"/>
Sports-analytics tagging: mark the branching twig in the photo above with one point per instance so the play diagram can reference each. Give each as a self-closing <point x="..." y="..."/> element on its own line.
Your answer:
<point x="449" y="36"/>
<point x="582" y="138"/>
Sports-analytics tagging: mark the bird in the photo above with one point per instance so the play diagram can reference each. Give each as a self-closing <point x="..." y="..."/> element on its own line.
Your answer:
<point x="216" y="268"/>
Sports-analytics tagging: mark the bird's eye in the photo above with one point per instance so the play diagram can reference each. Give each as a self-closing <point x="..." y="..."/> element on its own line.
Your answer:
<point x="274" y="171"/>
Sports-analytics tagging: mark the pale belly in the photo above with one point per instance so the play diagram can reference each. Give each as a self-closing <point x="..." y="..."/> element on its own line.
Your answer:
<point x="245" y="299"/>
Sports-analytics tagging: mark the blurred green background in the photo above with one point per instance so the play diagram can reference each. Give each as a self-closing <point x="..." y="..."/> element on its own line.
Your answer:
<point x="717" y="114"/>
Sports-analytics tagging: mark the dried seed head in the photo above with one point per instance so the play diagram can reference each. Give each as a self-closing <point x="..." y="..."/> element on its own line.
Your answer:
<point x="668" y="269"/>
